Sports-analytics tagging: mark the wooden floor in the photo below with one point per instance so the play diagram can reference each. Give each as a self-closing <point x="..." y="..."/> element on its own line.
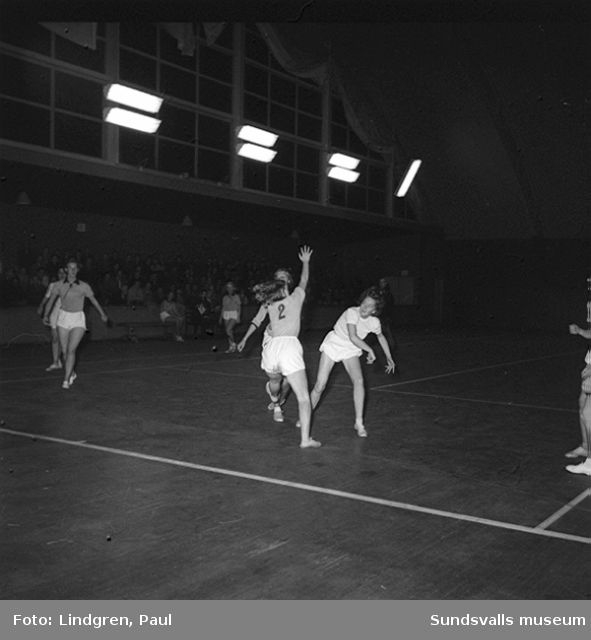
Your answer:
<point x="161" y="475"/>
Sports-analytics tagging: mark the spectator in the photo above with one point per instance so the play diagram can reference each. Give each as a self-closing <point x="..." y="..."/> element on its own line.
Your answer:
<point x="170" y="313"/>
<point x="135" y="294"/>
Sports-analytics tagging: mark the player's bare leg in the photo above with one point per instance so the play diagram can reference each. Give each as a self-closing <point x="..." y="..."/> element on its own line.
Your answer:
<point x="584" y="467"/>
<point x="324" y="368"/>
<point x="299" y="384"/>
<point x="583" y="450"/>
<point x="353" y="368"/>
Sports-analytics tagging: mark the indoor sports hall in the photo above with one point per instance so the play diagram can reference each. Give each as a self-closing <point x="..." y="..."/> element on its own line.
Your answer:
<point x="153" y="173"/>
<point x="164" y="476"/>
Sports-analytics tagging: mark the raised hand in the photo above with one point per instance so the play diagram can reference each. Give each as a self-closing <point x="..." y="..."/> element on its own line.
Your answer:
<point x="305" y="253"/>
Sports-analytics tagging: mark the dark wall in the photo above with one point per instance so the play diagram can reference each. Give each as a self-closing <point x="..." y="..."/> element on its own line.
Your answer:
<point x="521" y="284"/>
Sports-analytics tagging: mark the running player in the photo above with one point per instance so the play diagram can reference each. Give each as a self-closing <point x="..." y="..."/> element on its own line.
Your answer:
<point x="53" y="314"/>
<point x="276" y="403"/>
<point x="71" y="321"/>
<point x="282" y="355"/>
<point x="230" y="314"/>
<point x="345" y="343"/>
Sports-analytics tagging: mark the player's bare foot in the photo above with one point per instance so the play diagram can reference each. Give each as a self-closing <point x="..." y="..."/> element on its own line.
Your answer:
<point x="310" y="444"/>
<point x="579" y="452"/>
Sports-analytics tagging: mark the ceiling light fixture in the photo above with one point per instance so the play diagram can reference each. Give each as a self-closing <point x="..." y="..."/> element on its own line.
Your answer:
<point x="131" y="120"/>
<point x="345" y="175"/>
<point x="133" y="98"/>
<point x="257" y="136"/>
<point x="341" y="160"/>
<point x="408" y="178"/>
<point x="254" y="152"/>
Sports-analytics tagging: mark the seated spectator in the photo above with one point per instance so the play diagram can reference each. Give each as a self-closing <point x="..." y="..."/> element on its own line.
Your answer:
<point x="135" y="294"/>
<point x="149" y="297"/>
<point x="202" y="316"/>
<point x="110" y="290"/>
<point x="170" y="313"/>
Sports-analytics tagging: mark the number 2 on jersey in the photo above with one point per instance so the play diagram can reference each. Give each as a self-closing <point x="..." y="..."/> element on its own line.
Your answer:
<point x="281" y="308"/>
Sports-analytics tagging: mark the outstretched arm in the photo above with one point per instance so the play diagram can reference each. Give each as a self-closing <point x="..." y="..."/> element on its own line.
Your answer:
<point x="98" y="307"/>
<point x="42" y="303"/>
<point x="304" y="255"/>
<point x="386" y="349"/>
<point x="576" y="330"/>
<point x="255" y="323"/>
<point x="49" y="306"/>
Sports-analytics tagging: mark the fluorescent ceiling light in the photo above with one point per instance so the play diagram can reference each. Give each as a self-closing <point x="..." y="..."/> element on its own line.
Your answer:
<point x="338" y="173"/>
<point x="408" y="178"/>
<point x="341" y="160"/>
<point x="132" y="120"/>
<point x="254" y="152"/>
<point x="133" y="98"/>
<point x="258" y="136"/>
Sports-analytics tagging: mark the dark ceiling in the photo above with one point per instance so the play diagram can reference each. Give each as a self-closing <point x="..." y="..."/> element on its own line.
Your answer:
<point x="496" y="104"/>
<point x="498" y="112"/>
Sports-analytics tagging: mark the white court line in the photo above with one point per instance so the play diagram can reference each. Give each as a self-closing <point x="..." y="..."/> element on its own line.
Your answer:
<point x="567" y="507"/>
<point x="308" y="487"/>
<point x="211" y="355"/>
<point x="458" y="373"/>
<point x="176" y="366"/>
<point x="124" y="357"/>
<point x="498" y="402"/>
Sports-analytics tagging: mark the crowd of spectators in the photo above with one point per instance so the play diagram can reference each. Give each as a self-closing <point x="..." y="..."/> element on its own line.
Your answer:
<point x="137" y="279"/>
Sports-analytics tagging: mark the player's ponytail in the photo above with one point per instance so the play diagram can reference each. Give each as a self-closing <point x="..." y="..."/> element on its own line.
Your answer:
<point x="268" y="292"/>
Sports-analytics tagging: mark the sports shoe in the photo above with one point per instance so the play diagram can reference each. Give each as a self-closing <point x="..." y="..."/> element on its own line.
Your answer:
<point x="272" y="405"/>
<point x="72" y="378"/>
<point x="53" y="366"/>
<point x="361" y="432"/>
<point x="274" y="399"/>
<point x="310" y="444"/>
<point x="584" y="468"/>
<point x="277" y="414"/>
<point x="65" y="384"/>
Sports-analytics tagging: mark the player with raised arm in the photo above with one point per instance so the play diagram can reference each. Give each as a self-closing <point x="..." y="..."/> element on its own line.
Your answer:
<point x="282" y="355"/>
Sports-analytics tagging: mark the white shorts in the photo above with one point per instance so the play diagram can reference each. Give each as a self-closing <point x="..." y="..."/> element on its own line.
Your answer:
<point x="71" y="319"/>
<point x="230" y="315"/>
<point x="53" y="316"/>
<point x="283" y="355"/>
<point x="339" y="349"/>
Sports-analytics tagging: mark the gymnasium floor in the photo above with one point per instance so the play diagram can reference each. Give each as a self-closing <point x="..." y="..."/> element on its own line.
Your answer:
<point x="161" y="475"/>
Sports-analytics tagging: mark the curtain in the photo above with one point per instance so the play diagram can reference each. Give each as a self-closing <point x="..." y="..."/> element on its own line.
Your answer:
<point x="82" y="33"/>
<point x="365" y="117"/>
<point x="184" y="34"/>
